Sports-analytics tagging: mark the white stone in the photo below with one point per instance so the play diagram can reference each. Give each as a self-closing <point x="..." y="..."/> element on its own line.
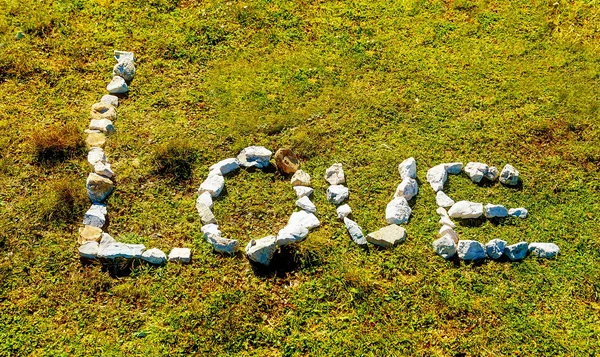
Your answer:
<point x="337" y="194"/>
<point x="516" y="251"/>
<point x="121" y="250"/>
<point x="445" y="247"/>
<point x="96" y="155"/>
<point x="226" y="166"/>
<point x="210" y="229"/>
<point x="98" y="187"/>
<point x="388" y="236"/>
<point x="213" y="184"/>
<point x="89" y="250"/>
<point x="343" y="211"/>
<point x="495" y="248"/>
<point x="181" y="255"/>
<point x="104" y="125"/>
<point x="441" y="211"/>
<point x="408" y="188"/>
<point x="305" y="219"/>
<point x="408" y="168"/>
<point x="355" y="232"/>
<point x="509" y="175"/>
<point x="466" y="209"/>
<point x="544" y="250"/>
<point x="302" y="191"/>
<point x="306" y="204"/>
<point x="443" y="200"/>
<point x="397" y="211"/>
<point x="117" y="86"/>
<point x="470" y="250"/>
<point x="453" y="168"/>
<point x="476" y="171"/>
<point x="124" y="69"/>
<point x="300" y="178"/>
<point x="103" y="169"/>
<point x="291" y="234"/>
<point x="106" y="240"/>
<point x="495" y="211"/>
<point x="110" y="100"/>
<point x="123" y="56"/>
<point x="446" y="221"/>
<point x="154" y="256"/>
<point x="220" y="244"/>
<point x="206" y="215"/>
<point x="205" y="198"/>
<point x="261" y="250"/>
<point x="437" y="176"/>
<point x="257" y="156"/>
<point x="335" y="174"/>
<point x="447" y="230"/>
<point x="492" y="173"/>
<point x="520" y="212"/>
<point x="95" y="216"/>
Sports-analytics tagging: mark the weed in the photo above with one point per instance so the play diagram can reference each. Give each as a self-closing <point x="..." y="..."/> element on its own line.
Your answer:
<point x="56" y="143"/>
<point x="175" y="159"/>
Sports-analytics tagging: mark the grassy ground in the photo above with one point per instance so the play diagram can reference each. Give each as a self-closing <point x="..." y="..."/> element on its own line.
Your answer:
<point x="365" y="83"/>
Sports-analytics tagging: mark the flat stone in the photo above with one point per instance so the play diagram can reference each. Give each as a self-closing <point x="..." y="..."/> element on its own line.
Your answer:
<point x="255" y="156"/>
<point x="121" y="250"/>
<point x="495" y="248"/>
<point x="226" y="166"/>
<point x="154" y="256"/>
<point x="95" y="216"/>
<point x="98" y="187"/>
<point x="213" y="184"/>
<point x="286" y="161"/>
<point x="437" y="176"/>
<point x="408" y="168"/>
<point x="408" y="188"/>
<point x="516" y="251"/>
<point x="223" y="245"/>
<point x="446" y="221"/>
<point x="95" y="140"/>
<point x="306" y="204"/>
<point x="520" y="212"/>
<point x="89" y="233"/>
<point x="337" y="194"/>
<point x="205" y="198"/>
<point x="509" y="175"/>
<point x="397" y="211"/>
<point x="110" y="100"/>
<point x="495" y="211"/>
<point x="106" y="240"/>
<point x="445" y="247"/>
<point x="291" y="234"/>
<point x="302" y="191"/>
<point x="301" y="178"/>
<point x="117" y="86"/>
<point x="343" y="211"/>
<point x="492" y="173"/>
<point x="103" y="169"/>
<point x="206" y="215"/>
<point x="453" y="168"/>
<point x="388" y="236"/>
<point x="103" y="125"/>
<point x="544" y="250"/>
<point x="470" y="250"/>
<point x="466" y="209"/>
<point x="443" y="200"/>
<point x="103" y="111"/>
<point x="355" y="232"/>
<point x="335" y="174"/>
<point x="447" y="230"/>
<point x="89" y="250"/>
<point x="180" y="255"/>
<point x="124" y="69"/>
<point x="476" y="171"/>
<point x="261" y="250"/>
<point x="305" y="219"/>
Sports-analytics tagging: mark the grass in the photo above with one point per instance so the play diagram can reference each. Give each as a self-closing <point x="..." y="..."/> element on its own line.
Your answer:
<point x="365" y="83"/>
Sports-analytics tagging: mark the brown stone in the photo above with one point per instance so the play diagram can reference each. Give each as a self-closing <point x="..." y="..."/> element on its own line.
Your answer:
<point x="287" y="161"/>
<point x="89" y="234"/>
<point x="103" y="111"/>
<point x="95" y="140"/>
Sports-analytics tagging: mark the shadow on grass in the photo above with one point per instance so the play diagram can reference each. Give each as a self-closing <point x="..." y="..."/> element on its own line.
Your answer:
<point x="287" y="260"/>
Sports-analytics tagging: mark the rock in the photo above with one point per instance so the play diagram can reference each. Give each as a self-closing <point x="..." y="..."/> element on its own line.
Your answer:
<point x="287" y="162"/>
<point x="355" y="231"/>
<point x="492" y="173"/>
<point x="306" y="204"/>
<point x="441" y="211"/>
<point x="210" y="229"/>
<point x="453" y="168"/>
<point x="466" y="209"/>
<point x="495" y="248"/>
<point x="447" y="230"/>
<point x="206" y="215"/>
<point x="408" y="168"/>
<point x="446" y="221"/>
<point x="206" y="199"/>
<point x="124" y="69"/>
<point x="224" y="167"/>
<point x="544" y="250"/>
<point x="516" y="251"/>
<point x="124" y="56"/>
<point x="437" y="176"/>
<point x="95" y="216"/>
<point x="388" y="236"/>
<point x="261" y="250"/>
<point x="520" y="212"/>
<point x="337" y="194"/>
<point x="98" y="187"/>
<point x="443" y="200"/>
<point x="302" y="191"/>
<point x="305" y="219"/>
<point x="291" y="234"/>
<point x="96" y="155"/>
<point x="445" y="247"/>
<point x="301" y="178"/>
<point x="89" y="250"/>
<point x="104" y="125"/>
<point x="103" y="169"/>
<point x="95" y="140"/>
<point x="103" y="111"/>
<point x="335" y="175"/>
<point x="255" y="156"/>
<point x="408" y="188"/>
<point x="181" y="255"/>
<point x="121" y="250"/>
<point x="154" y="256"/>
<point x="495" y="211"/>
<point x="509" y="175"/>
<point x="110" y="100"/>
<point x="117" y="86"/>
<point x="343" y="211"/>
<point x="470" y="250"/>
<point x="213" y="184"/>
<point x="397" y="211"/>
<point x="476" y="171"/>
<point x="106" y="240"/>
<point x="223" y="245"/>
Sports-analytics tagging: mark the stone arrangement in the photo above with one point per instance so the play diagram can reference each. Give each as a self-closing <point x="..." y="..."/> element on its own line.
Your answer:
<point x="448" y="245"/>
<point x="94" y="242"/>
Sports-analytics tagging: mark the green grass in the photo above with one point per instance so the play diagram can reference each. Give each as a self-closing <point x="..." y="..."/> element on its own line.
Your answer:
<point x="365" y="83"/>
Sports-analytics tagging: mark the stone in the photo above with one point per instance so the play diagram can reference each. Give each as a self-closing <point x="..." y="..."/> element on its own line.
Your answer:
<point x="437" y="176"/>
<point x="476" y="171"/>
<point x="397" y="211"/>
<point x="495" y="248"/>
<point x="226" y="166"/>
<point x="103" y="111"/>
<point x="355" y="232"/>
<point x="301" y="178"/>
<point x="103" y="125"/>
<point x="516" y="251"/>
<point x="408" y="188"/>
<point x="520" y="212"/>
<point x="95" y="140"/>
<point x="96" y="155"/>
<point x="447" y="230"/>
<point x="206" y="215"/>
<point x="124" y="69"/>
<point x="89" y="250"/>
<point x="453" y="168"/>
<point x="388" y="236"/>
<point x="117" y="86"/>
<point x="154" y="256"/>
<point x="495" y="211"/>
<point x="445" y="247"/>
<point x="287" y="162"/>
<point x="180" y="255"/>
<point x="124" y="56"/>
<point x="343" y="211"/>
<point x="509" y="175"/>
<point x="89" y="233"/>
<point x="544" y="250"/>
<point x="302" y="191"/>
<point x="95" y="216"/>
<point x="443" y="200"/>
<point x="492" y="173"/>
<point x="337" y="194"/>
<point x="213" y="184"/>
<point x="210" y="229"/>
<point x="98" y="187"/>
<point x="255" y="156"/>
<point x="205" y="198"/>
<point x="110" y="100"/>
<point x="291" y="234"/>
<point x="106" y="240"/>
<point x="470" y="250"/>
<point x="261" y="250"/>
<point x="121" y="250"/>
<point x="466" y="209"/>
<point x="408" y="168"/>
<point x="223" y="245"/>
<point x="441" y="211"/>
<point x="335" y="174"/>
<point x="103" y="169"/>
<point x="305" y="219"/>
<point x="446" y="221"/>
<point x="306" y="204"/>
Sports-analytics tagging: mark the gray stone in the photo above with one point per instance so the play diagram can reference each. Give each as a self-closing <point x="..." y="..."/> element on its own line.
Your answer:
<point x="106" y="240"/>
<point x="453" y="168"/>
<point x="223" y="245"/>
<point x="213" y="184"/>
<point x="443" y="200"/>
<point x="110" y="100"/>
<point x="255" y="156"/>
<point x="343" y="211"/>
<point x="117" y="86"/>
<point x="509" y="175"/>
<point x="301" y="178"/>
<point x="447" y="230"/>
<point x="492" y="173"/>
<point x="305" y="219"/>
<point x="103" y="125"/>
<point x="291" y="234"/>
<point x="210" y="229"/>
<point x="544" y="250"/>
<point x="355" y="232"/>
<point x="437" y="176"/>
<point x="89" y="250"/>
<point x="180" y="255"/>
<point x="335" y="174"/>
<point x="103" y="111"/>
<point x="96" y="155"/>
<point x="388" y="236"/>
<point x="495" y="248"/>
<point x="95" y="216"/>
<point x="466" y="209"/>
<point x="306" y="204"/>
<point x="445" y="247"/>
<point x="302" y="191"/>
<point x="103" y="169"/>
<point x="520" y="212"/>
<point x="205" y="198"/>
<point x="516" y="251"/>
<point x="476" y="171"/>
<point x="408" y="168"/>
<point x="495" y="211"/>
<point x="124" y="69"/>
<point x="337" y="194"/>
<point x="206" y="215"/>
<point x="261" y="250"/>
<point x="98" y="187"/>
<point x="121" y="250"/>
<point x="470" y="250"/>
<point x="397" y="211"/>
<point x="408" y="188"/>
<point x="226" y="166"/>
<point x="154" y="256"/>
